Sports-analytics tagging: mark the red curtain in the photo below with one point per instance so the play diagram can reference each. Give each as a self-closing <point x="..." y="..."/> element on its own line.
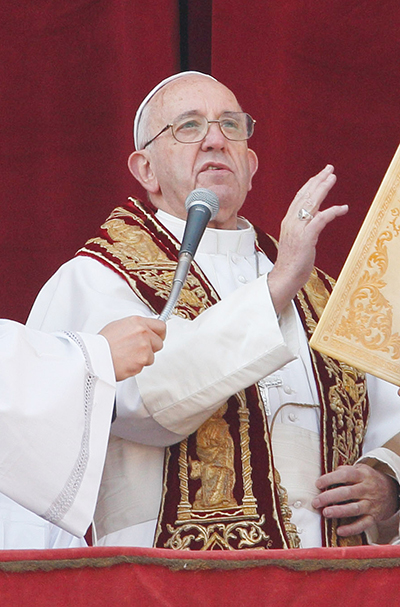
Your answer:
<point x="72" y="74"/>
<point x="322" y="79"/>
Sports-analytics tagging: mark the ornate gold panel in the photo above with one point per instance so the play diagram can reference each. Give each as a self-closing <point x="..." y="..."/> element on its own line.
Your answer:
<point x="361" y="322"/>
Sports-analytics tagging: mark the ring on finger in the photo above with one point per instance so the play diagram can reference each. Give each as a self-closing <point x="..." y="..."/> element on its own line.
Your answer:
<point x="304" y="215"/>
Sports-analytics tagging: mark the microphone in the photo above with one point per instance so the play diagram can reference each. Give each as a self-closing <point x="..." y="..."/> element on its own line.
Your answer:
<point x="202" y="206"/>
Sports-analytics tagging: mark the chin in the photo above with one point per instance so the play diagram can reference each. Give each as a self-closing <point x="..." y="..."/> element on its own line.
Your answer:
<point x="224" y="222"/>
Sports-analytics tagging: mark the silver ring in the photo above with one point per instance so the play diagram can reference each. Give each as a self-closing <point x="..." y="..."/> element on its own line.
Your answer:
<point x="304" y="215"/>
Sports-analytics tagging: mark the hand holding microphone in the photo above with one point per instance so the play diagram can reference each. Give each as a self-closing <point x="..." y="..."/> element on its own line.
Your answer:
<point x="202" y="206"/>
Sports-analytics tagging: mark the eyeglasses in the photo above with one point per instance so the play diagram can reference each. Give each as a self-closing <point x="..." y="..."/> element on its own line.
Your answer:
<point x="193" y="128"/>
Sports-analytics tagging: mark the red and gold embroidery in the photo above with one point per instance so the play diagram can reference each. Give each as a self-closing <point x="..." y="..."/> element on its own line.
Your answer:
<point x="221" y="490"/>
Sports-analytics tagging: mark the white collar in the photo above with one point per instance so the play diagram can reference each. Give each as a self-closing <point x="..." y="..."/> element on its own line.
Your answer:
<point x="215" y="241"/>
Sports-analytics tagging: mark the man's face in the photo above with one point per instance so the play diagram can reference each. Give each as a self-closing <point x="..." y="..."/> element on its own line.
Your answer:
<point x="225" y="167"/>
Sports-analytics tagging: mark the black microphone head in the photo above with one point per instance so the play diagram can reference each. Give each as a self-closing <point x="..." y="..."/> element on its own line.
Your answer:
<point x="205" y="196"/>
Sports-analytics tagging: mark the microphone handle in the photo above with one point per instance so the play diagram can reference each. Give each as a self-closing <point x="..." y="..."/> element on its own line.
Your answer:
<point x="199" y="214"/>
<point x="181" y="272"/>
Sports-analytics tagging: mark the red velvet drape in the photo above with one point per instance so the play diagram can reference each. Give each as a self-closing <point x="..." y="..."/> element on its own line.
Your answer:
<point x="72" y="74"/>
<point x="366" y="576"/>
<point x="322" y="79"/>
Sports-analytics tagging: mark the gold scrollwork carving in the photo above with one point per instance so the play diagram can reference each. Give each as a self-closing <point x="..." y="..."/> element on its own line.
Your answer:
<point x="369" y="316"/>
<point x="219" y="535"/>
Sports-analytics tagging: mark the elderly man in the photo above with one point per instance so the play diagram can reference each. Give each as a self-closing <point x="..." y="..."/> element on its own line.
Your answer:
<point x="56" y="398"/>
<point x="238" y="436"/>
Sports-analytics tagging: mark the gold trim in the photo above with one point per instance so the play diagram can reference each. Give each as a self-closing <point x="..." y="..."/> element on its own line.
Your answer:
<point x="219" y="535"/>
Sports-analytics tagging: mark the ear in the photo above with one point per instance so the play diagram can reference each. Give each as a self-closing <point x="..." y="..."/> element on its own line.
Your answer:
<point x="141" y="168"/>
<point x="253" y="164"/>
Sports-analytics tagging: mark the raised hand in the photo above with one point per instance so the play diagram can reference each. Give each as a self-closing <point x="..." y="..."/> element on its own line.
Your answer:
<point x="299" y="234"/>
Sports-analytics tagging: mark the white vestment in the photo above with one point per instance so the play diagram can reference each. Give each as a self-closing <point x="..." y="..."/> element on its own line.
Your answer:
<point x="56" y="399"/>
<point x="228" y="347"/>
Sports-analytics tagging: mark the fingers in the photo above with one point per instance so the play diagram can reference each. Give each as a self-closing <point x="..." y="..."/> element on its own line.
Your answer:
<point x="304" y="221"/>
<point x="148" y="332"/>
<point x="346" y="510"/>
<point x="314" y="192"/>
<point x="148" y="335"/>
<point x="322" y="218"/>
<point x="340" y="476"/>
<point x="157" y="337"/>
<point x="157" y="326"/>
<point x="133" y="342"/>
<point x="298" y="238"/>
<point x="358" y="492"/>
<point x="356" y="526"/>
<point x="310" y="197"/>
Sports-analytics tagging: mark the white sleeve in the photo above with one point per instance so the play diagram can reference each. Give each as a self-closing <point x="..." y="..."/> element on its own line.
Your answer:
<point x="384" y="420"/>
<point x="203" y="362"/>
<point x="224" y="350"/>
<point x="384" y="423"/>
<point x="56" y="400"/>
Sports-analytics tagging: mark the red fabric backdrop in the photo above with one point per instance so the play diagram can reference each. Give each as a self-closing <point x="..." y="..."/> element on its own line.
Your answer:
<point x="322" y="79"/>
<point x="72" y="73"/>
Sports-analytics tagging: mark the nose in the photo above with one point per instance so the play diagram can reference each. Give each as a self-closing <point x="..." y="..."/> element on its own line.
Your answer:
<point x="214" y="138"/>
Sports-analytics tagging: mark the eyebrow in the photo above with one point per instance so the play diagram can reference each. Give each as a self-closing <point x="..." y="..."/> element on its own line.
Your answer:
<point x="190" y="113"/>
<point x="187" y="114"/>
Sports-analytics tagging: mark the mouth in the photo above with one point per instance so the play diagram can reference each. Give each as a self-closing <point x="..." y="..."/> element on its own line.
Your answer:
<point x="214" y="167"/>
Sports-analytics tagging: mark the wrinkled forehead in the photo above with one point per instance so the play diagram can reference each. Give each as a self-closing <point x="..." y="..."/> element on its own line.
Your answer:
<point x="191" y="93"/>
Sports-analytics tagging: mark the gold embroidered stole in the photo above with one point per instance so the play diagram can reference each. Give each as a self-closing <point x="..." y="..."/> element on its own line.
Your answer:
<point x="221" y="490"/>
<point x="341" y="389"/>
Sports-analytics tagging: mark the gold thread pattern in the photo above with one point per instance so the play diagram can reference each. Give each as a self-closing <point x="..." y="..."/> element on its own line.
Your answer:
<point x="219" y="535"/>
<point x="347" y="395"/>
<point x="135" y="249"/>
<point x="368" y="318"/>
<point x="291" y="529"/>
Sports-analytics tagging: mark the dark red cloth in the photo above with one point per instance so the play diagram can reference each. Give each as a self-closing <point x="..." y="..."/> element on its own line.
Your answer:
<point x="322" y="80"/>
<point x="72" y="75"/>
<point x="325" y="577"/>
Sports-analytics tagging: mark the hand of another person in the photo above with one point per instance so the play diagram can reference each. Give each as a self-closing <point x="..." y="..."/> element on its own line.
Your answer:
<point x="298" y="238"/>
<point x="133" y="342"/>
<point x="359" y="492"/>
